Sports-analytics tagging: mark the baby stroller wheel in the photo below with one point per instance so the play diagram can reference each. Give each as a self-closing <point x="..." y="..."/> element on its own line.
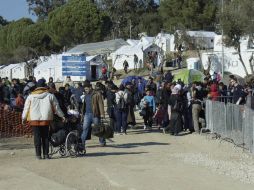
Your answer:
<point x="72" y="143"/>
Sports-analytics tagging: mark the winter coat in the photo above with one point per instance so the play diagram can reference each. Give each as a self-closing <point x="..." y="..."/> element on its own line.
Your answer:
<point x="214" y="94"/>
<point x="97" y="104"/>
<point x="151" y="102"/>
<point x="39" y="108"/>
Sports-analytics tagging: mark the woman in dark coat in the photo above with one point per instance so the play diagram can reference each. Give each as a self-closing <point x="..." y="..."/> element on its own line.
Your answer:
<point x="175" y="105"/>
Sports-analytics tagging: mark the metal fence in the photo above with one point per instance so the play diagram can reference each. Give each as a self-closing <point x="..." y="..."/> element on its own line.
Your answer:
<point x="232" y="122"/>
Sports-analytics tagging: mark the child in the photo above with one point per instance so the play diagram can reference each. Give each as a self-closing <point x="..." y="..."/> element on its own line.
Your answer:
<point x="19" y="102"/>
<point x="159" y="115"/>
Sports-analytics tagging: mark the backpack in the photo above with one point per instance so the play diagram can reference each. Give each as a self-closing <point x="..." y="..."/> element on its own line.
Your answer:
<point x="58" y="138"/>
<point x="121" y="103"/>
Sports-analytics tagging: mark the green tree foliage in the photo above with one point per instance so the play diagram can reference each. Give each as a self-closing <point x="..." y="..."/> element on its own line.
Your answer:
<point x="3" y="22"/>
<point x="24" y="33"/>
<point x="42" y="8"/>
<point x="191" y="14"/>
<point x="132" y="13"/>
<point x="237" y="22"/>
<point x="78" y="21"/>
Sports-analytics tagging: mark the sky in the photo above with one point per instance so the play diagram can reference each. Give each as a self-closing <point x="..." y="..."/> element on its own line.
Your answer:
<point x="14" y="10"/>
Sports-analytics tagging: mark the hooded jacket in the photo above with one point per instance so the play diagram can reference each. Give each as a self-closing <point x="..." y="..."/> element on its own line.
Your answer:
<point x="39" y="108"/>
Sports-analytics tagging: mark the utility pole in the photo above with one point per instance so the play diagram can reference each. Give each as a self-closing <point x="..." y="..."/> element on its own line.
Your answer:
<point x="130" y="29"/>
<point x="222" y="45"/>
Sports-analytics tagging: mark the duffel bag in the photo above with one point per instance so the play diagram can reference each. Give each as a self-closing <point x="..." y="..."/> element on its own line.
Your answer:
<point x="58" y="138"/>
<point x="108" y="131"/>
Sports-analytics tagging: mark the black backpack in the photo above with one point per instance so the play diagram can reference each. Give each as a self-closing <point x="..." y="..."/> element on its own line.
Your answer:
<point x="58" y="138"/>
<point x="121" y="103"/>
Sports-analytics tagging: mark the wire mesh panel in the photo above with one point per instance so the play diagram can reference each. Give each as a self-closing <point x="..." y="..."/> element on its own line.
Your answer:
<point x="237" y="124"/>
<point x="231" y="121"/>
<point x="219" y="117"/>
<point x="248" y="125"/>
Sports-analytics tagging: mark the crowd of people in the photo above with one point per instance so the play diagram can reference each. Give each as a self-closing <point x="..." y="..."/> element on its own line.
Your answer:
<point x="169" y="104"/>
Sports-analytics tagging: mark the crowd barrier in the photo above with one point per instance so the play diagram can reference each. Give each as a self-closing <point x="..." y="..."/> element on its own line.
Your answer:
<point x="11" y="125"/>
<point x="232" y="122"/>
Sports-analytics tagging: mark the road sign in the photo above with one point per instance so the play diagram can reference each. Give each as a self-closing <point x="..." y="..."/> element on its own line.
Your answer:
<point x="74" y="66"/>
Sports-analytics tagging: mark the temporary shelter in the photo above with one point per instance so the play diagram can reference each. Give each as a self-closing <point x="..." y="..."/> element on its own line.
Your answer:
<point x="189" y="76"/>
<point x="7" y="71"/>
<point x="165" y="42"/>
<point x="141" y="49"/>
<point x="52" y="67"/>
<point x="193" y="63"/>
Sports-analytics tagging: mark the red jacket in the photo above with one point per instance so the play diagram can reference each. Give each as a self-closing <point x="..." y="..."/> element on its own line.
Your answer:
<point x="214" y="93"/>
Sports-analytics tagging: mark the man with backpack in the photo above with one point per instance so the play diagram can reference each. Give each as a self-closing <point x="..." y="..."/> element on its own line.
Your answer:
<point x="121" y="111"/>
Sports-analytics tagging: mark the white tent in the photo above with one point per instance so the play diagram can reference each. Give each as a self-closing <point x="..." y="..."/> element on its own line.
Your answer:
<point x="7" y="71"/>
<point x="52" y="67"/>
<point x="127" y="52"/>
<point x="49" y="67"/>
<point x="165" y="41"/>
<point x="20" y="71"/>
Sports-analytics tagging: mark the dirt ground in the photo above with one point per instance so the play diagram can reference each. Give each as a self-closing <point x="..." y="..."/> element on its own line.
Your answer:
<point x="140" y="160"/>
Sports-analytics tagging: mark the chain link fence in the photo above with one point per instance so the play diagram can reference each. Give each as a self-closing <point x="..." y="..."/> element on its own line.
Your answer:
<point x="231" y="122"/>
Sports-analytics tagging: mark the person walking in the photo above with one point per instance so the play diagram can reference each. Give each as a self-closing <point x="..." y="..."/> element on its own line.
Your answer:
<point x="125" y="66"/>
<point x="39" y="108"/>
<point x="121" y="110"/>
<point x="149" y="110"/>
<point x="197" y="98"/>
<point x="93" y="111"/>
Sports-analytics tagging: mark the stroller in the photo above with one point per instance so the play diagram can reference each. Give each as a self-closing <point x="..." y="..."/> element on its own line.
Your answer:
<point x="65" y="138"/>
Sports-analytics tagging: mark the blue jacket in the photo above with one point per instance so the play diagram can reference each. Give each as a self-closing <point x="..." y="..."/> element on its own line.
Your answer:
<point x="151" y="102"/>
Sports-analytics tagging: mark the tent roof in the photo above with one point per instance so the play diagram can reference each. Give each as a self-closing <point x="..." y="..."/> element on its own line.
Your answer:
<point x="198" y="34"/>
<point x="11" y="66"/>
<point x="98" y="47"/>
<point x="132" y="42"/>
<point x="189" y="76"/>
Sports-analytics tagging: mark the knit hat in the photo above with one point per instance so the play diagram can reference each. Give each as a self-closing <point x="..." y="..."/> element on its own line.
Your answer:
<point x="41" y="83"/>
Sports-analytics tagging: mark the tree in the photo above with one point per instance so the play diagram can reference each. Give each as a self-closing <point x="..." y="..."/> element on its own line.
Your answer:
<point x="42" y="8"/>
<point x="24" y="33"/>
<point x="237" y="22"/>
<point x="191" y="14"/>
<point x="131" y="15"/>
<point x="79" y="21"/>
<point x="3" y="22"/>
<point x="27" y="55"/>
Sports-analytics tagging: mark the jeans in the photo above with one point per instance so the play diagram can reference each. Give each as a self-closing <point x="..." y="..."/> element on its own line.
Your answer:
<point x="41" y="137"/>
<point x="196" y="108"/>
<point x="89" y="119"/>
<point x="148" y="118"/>
<point x="121" y="120"/>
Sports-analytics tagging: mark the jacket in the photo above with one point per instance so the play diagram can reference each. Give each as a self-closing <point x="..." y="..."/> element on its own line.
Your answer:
<point x="97" y="104"/>
<point x="39" y="108"/>
<point x="151" y="102"/>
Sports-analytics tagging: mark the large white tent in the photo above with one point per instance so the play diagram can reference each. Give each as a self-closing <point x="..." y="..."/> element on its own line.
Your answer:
<point x="7" y="71"/>
<point x="52" y="67"/>
<point x="127" y="52"/>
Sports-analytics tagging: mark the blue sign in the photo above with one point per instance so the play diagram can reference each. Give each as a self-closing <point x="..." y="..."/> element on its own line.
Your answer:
<point x="74" y="66"/>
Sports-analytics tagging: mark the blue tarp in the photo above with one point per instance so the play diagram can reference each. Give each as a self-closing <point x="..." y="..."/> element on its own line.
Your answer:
<point x="130" y="78"/>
